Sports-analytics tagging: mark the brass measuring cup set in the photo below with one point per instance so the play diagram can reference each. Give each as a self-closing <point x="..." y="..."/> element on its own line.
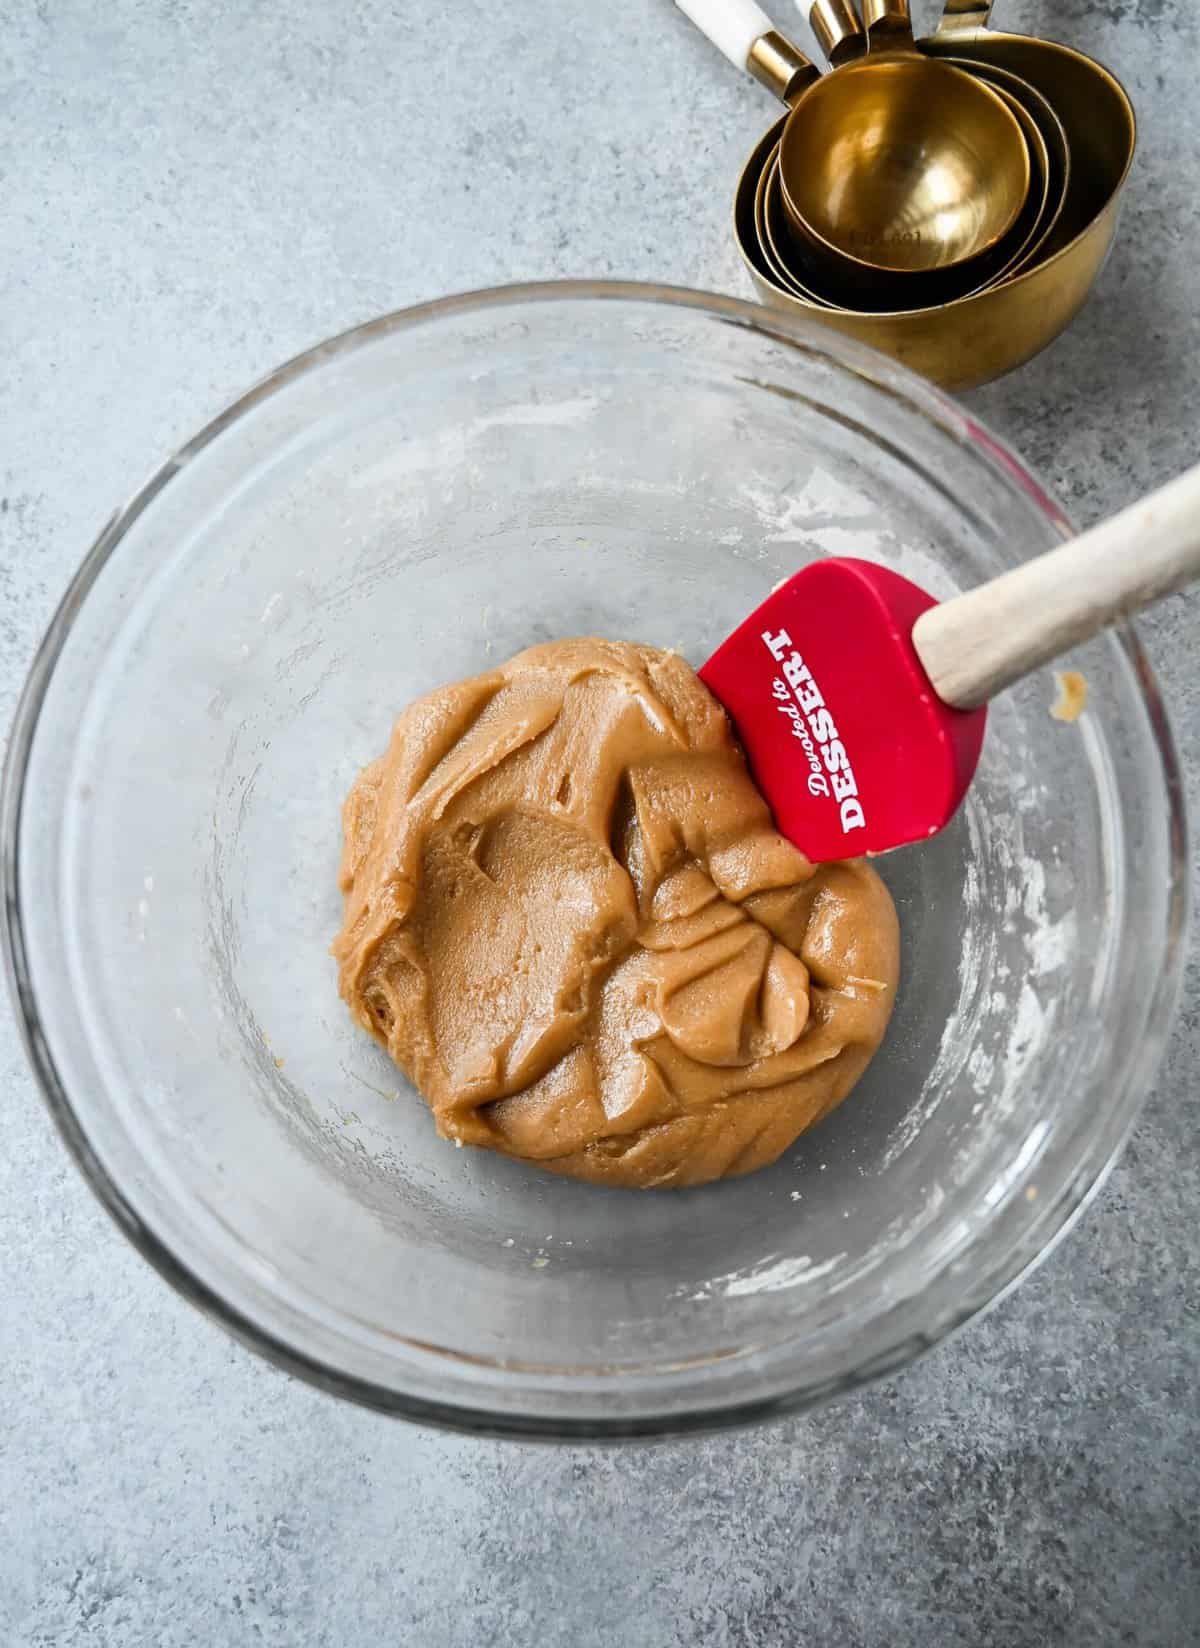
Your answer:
<point x="949" y="200"/>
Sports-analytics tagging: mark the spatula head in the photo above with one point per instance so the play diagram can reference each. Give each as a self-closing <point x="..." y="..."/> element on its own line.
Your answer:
<point x="845" y="735"/>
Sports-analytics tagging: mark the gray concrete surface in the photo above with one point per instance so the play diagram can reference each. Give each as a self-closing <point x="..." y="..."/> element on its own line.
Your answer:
<point x="190" y="192"/>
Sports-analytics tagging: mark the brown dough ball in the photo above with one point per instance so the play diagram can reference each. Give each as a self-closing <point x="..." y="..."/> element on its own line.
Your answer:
<point x="571" y="922"/>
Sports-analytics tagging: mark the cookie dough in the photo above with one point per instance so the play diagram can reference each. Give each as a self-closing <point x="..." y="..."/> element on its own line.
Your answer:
<point x="571" y="922"/>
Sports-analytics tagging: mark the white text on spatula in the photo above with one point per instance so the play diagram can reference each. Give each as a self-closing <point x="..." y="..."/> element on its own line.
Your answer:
<point x="813" y="722"/>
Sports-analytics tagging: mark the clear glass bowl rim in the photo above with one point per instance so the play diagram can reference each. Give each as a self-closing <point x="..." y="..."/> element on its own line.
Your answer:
<point x="918" y="1336"/>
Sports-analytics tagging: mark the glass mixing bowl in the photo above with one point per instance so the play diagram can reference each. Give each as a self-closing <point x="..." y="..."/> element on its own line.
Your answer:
<point x="412" y="502"/>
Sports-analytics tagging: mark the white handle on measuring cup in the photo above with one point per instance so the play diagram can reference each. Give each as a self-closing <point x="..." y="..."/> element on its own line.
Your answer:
<point x="732" y="25"/>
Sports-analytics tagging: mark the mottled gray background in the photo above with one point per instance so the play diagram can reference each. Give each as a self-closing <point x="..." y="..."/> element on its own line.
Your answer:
<point x="191" y="190"/>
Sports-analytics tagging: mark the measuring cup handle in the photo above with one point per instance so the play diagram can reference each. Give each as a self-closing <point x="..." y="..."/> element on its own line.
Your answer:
<point x="837" y="29"/>
<point x="887" y="22"/>
<point x="964" y="16"/>
<point x="745" y="34"/>
<point x="732" y="25"/>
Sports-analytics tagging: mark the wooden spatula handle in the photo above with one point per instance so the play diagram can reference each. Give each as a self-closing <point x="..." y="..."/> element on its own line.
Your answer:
<point x="976" y="644"/>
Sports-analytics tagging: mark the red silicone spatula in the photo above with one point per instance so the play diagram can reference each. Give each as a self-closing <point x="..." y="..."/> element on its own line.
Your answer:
<point x="860" y="700"/>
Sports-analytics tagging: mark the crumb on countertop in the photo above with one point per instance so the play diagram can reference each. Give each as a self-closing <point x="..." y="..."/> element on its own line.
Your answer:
<point x="1072" y="695"/>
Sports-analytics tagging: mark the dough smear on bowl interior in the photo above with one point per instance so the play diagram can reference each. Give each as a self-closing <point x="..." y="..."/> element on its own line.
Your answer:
<point x="571" y="922"/>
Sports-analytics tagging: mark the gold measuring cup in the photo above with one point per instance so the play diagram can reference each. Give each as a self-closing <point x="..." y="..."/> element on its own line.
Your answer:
<point x="888" y="25"/>
<point x="788" y="255"/>
<point x="978" y="338"/>
<point x="941" y="179"/>
<point x="889" y="173"/>
<point x="918" y="289"/>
